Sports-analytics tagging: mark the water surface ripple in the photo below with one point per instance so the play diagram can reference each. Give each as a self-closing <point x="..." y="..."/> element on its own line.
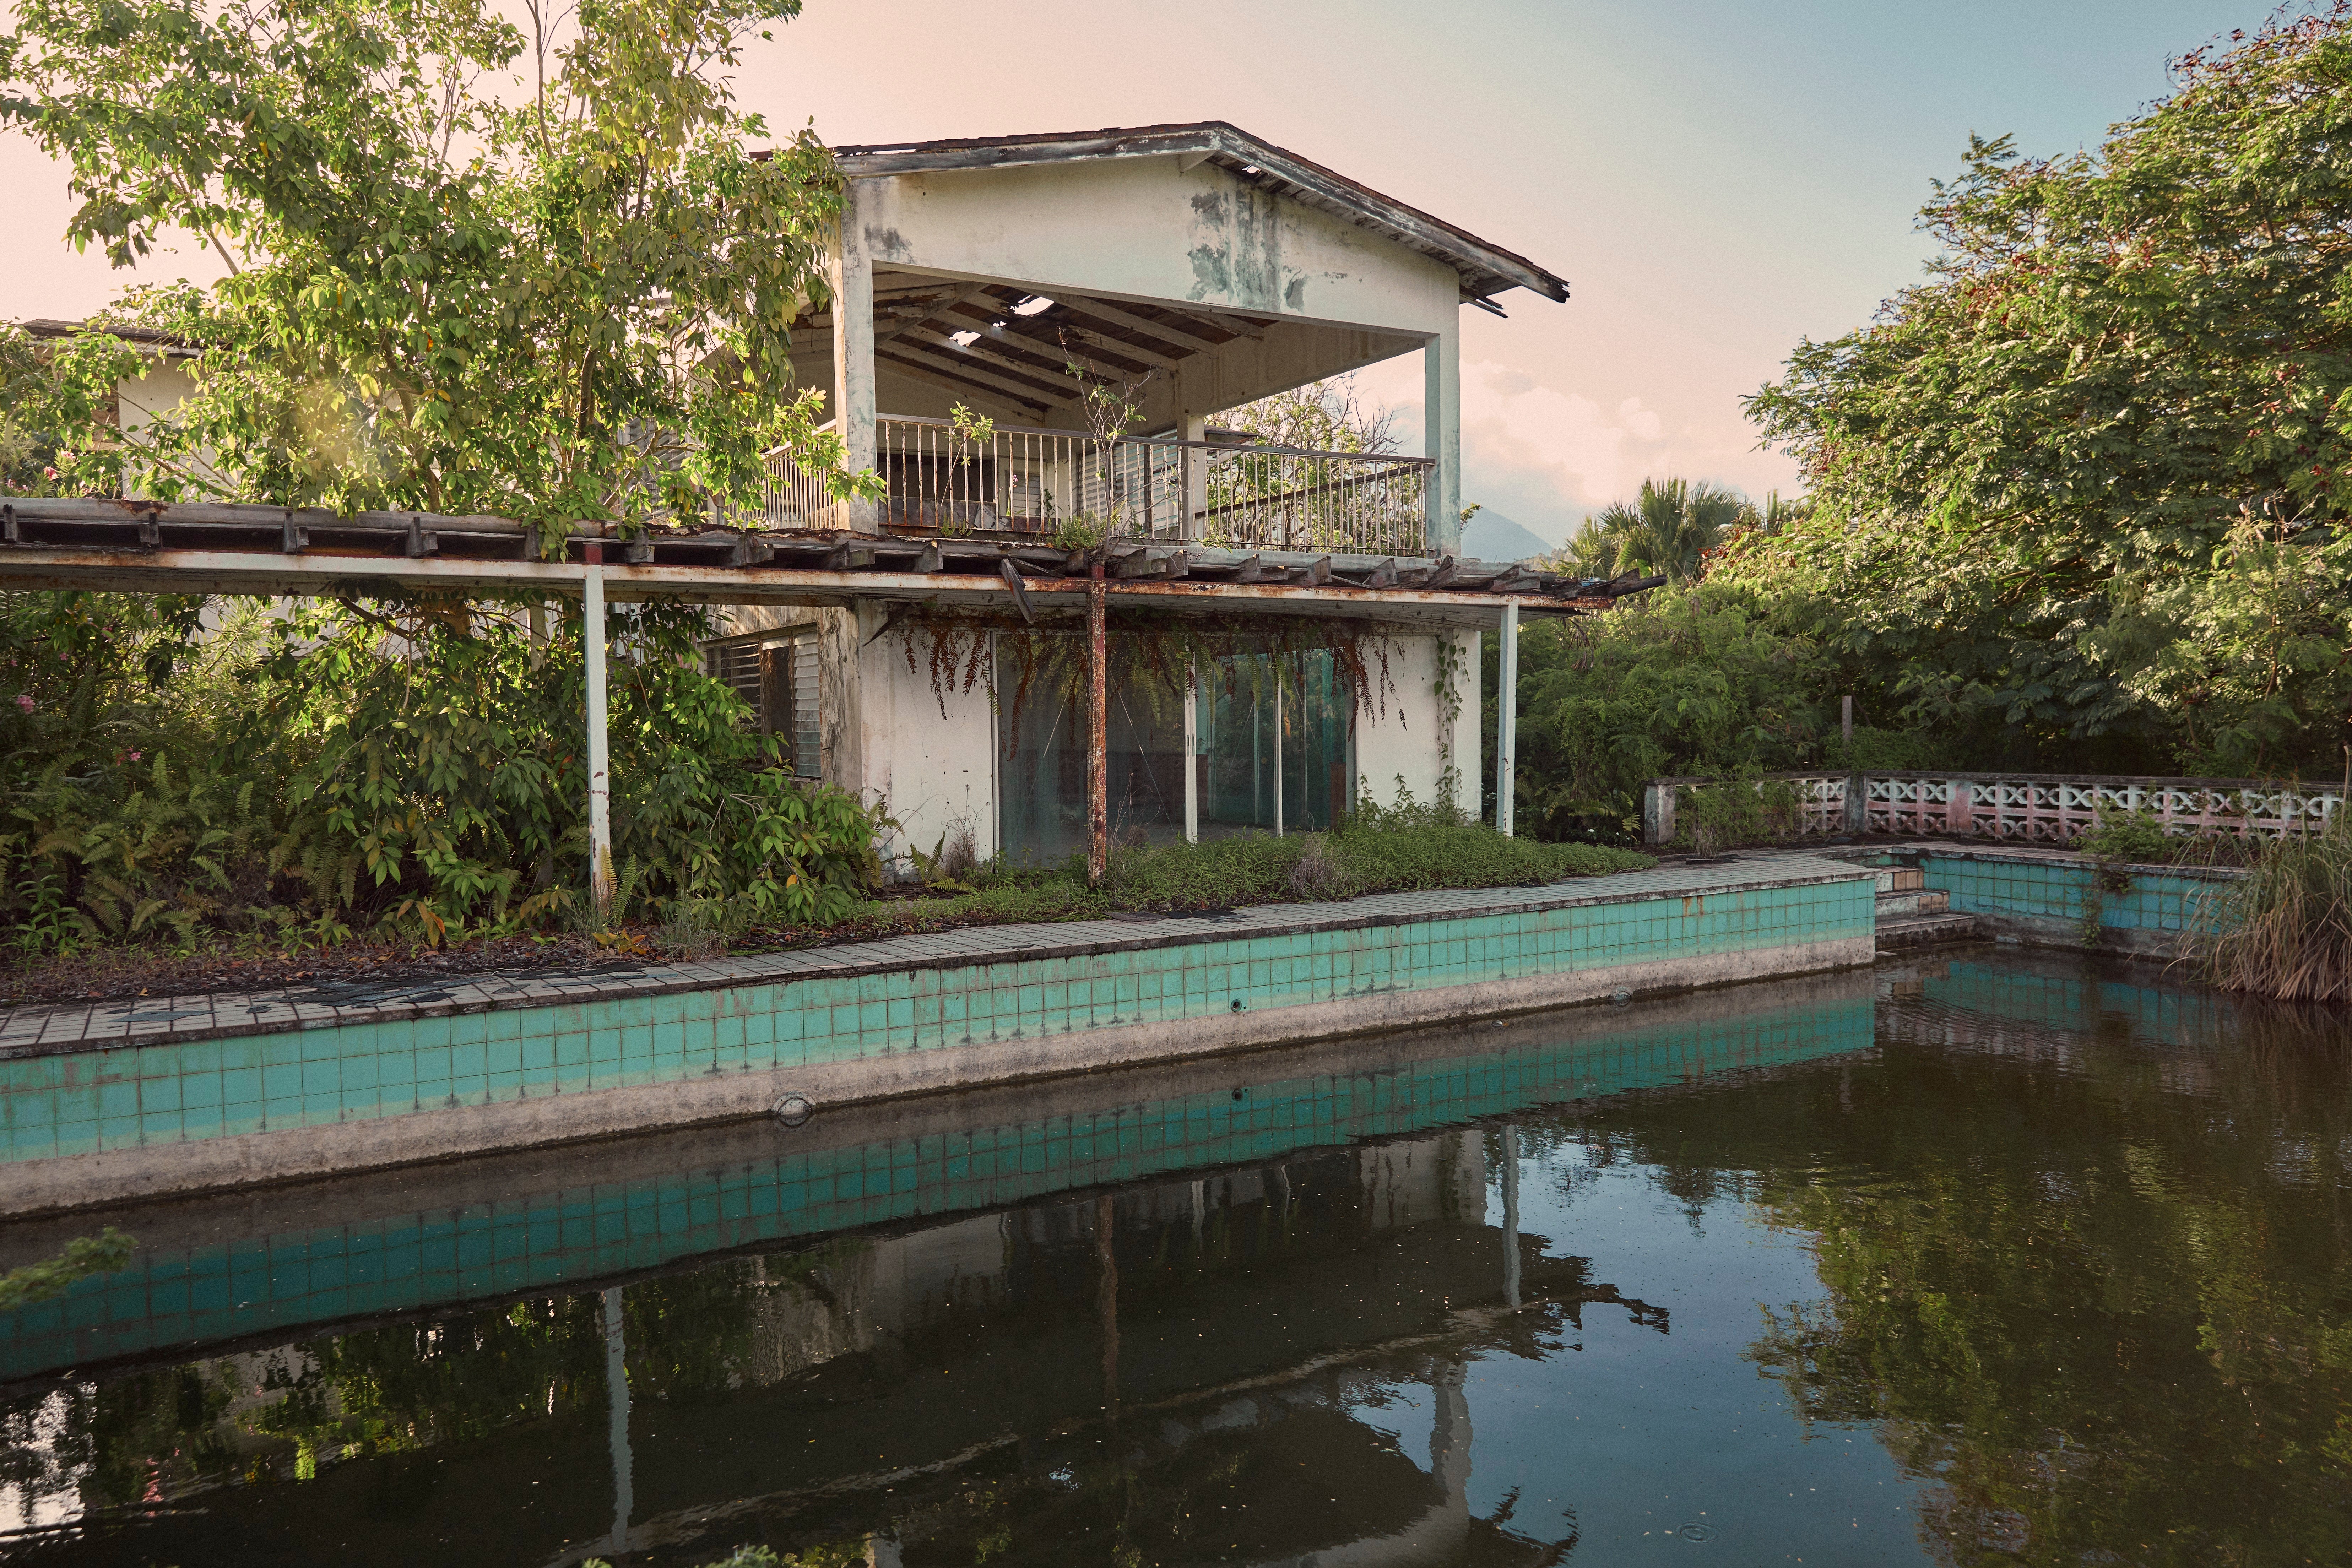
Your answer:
<point x="1997" y="1258"/>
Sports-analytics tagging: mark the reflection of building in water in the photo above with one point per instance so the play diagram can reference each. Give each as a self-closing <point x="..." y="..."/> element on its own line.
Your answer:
<point x="1057" y="1381"/>
<point x="1254" y="1316"/>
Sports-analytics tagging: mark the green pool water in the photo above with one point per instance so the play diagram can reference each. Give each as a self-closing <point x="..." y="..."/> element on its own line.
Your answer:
<point x="1997" y="1258"/>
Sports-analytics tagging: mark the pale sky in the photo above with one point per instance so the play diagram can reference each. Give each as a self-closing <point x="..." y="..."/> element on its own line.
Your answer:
<point x="1716" y="180"/>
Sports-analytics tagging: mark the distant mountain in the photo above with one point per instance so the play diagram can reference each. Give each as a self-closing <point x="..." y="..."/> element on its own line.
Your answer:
<point x="1491" y="536"/>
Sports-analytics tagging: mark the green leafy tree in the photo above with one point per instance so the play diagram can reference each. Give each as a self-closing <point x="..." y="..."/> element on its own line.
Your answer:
<point x="2079" y="497"/>
<point x="1692" y="680"/>
<point x="578" y="304"/>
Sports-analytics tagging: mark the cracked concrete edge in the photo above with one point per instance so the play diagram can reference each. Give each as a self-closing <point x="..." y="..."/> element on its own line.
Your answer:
<point x="171" y="1170"/>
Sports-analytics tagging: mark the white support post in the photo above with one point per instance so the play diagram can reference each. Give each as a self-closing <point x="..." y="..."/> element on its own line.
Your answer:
<point x="851" y="274"/>
<point x="1278" y="750"/>
<point x="1193" y="755"/>
<point x="600" y="784"/>
<point x="1440" y="364"/>
<point x="1507" y="719"/>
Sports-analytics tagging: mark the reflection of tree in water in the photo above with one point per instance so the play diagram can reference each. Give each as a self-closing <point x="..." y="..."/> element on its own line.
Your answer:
<point x="2097" y="1290"/>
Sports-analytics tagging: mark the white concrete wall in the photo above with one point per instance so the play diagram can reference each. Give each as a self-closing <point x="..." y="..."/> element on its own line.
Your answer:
<point x="1144" y="229"/>
<point x="934" y="771"/>
<point x="1406" y="741"/>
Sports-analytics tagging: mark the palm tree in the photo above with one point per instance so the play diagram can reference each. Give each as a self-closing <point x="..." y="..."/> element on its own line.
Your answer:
<point x="1667" y="530"/>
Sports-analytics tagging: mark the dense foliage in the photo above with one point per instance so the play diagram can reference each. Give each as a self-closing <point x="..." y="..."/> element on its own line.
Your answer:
<point x="1667" y="530"/>
<point x="1704" y="680"/>
<point x="2078" y="499"/>
<point x="293" y="776"/>
<point x="2285" y="929"/>
<point x="1376" y="849"/>
<point x="470" y="271"/>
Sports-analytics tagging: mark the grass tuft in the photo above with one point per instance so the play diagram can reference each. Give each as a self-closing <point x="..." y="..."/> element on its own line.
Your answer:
<point x="2286" y="930"/>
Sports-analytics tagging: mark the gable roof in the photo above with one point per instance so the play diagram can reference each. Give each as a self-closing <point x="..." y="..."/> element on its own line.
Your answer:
<point x="1486" y="268"/>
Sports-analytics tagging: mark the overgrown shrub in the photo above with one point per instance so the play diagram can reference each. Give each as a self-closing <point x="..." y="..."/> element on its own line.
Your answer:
<point x="170" y="768"/>
<point x="1697" y="682"/>
<point x="1743" y="808"/>
<point x="2285" y="929"/>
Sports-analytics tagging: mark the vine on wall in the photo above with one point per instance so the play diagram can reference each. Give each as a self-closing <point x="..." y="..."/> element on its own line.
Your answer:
<point x="1153" y="648"/>
<point x="1447" y="686"/>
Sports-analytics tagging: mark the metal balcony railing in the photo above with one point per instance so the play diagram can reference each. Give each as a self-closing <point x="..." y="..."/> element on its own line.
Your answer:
<point x="1022" y="479"/>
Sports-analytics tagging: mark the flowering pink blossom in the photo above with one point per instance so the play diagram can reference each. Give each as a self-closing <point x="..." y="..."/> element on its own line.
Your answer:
<point x="26" y="701"/>
<point x="134" y="756"/>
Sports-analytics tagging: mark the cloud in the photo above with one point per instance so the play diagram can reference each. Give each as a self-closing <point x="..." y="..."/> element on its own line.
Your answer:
<point x="1544" y="457"/>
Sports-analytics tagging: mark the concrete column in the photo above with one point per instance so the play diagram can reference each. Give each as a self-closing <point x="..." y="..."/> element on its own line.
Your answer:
<point x="1657" y="813"/>
<point x="1196" y="476"/>
<point x="1097" y="731"/>
<point x="600" y="784"/>
<point x="1441" y="362"/>
<point x="1507" y="720"/>
<point x="850" y="273"/>
<point x="1449" y="1436"/>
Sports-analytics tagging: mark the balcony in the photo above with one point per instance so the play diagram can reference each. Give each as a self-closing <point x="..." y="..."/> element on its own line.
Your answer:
<point x="1030" y="482"/>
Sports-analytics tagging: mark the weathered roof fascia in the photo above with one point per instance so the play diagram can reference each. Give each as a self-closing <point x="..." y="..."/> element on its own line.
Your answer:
<point x="150" y="339"/>
<point x="1486" y="268"/>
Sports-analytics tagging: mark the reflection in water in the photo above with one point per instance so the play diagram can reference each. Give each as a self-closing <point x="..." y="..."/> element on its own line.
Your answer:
<point x="2051" y="1272"/>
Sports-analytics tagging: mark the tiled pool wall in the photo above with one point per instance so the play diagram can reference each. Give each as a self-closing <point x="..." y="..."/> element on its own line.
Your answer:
<point x="368" y="1263"/>
<point x="364" y="1078"/>
<point x="2046" y="900"/>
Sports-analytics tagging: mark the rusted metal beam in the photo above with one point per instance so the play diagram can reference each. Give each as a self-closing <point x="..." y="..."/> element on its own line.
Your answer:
<point x="171" y="571"/>
<point x="1097" y="730"/>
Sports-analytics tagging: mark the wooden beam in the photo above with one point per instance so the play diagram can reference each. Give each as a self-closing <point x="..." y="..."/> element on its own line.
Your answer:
<point x="940" y="304"/>
<point x="908" y="365"/>
<point x="1098" y="732"/>
<point x="1192" y="335"/>
<point x="1008" y="365"/>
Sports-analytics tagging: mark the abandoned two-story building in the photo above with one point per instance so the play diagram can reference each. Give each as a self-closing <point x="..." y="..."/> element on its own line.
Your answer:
<point x="1086" y="609"/>
<point x="978" y="290"/>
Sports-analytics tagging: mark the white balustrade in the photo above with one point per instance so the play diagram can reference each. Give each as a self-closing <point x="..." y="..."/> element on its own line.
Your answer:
<point x="2033" y="808"/>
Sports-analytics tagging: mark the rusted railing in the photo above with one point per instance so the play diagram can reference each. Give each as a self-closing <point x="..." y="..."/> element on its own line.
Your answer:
<point x="2028" y="808"/>
<point x="1023" y="479"/>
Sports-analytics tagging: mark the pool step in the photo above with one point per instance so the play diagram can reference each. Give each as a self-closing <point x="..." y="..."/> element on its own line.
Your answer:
<point x="1916" y="902"/>
<point x="1924" y="931"/>
<point x="1909" y="916"/>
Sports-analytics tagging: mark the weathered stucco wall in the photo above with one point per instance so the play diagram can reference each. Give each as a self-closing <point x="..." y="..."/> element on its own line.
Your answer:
<point x="1411" y="740"/>
<point x="930" y="756"/>
<point x="1145" y="228"/>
